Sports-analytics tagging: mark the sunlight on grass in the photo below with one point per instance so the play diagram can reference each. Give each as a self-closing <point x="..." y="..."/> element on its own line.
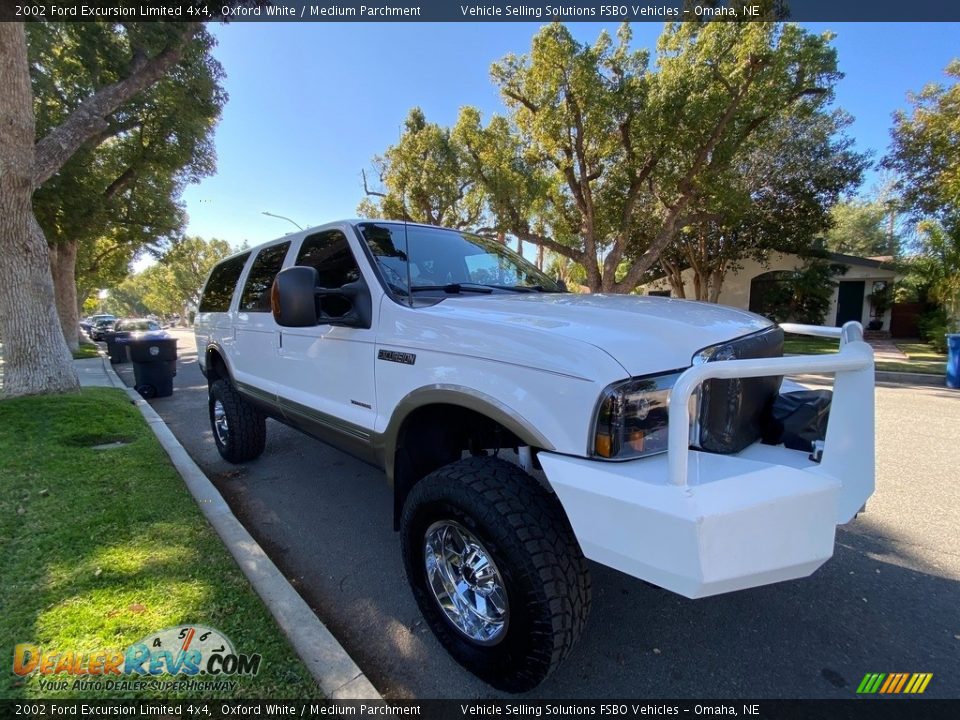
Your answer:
<point x="103" y="548"/>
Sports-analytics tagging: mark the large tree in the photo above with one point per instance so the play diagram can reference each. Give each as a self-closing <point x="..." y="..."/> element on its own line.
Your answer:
<point x="598" y="142"/>
<point x="926" y="155"/>
<point x="926" y="148"/>
<point x="776" y="197"/>
<point x="36" y="356"/>
<point x="114" y="198"/>
<point x="422" y="179"/>
<point x="189" y="262"/>
<point x="863" y="227"/>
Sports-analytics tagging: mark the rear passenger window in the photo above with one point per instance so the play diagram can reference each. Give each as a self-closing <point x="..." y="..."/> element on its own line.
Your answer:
<point x="330" y="254"/>
<point x="256" y="293"/>
<point x="219" y="290"/>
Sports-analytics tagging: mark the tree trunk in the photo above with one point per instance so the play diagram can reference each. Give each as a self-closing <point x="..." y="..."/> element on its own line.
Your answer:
<point x="716" y="282"/>
<point x="63" y="266"/>
<point x="540" y="257"/>
<point x="36" y="358"/>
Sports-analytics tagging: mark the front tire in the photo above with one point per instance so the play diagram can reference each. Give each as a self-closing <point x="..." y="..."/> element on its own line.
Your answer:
<point x="496" y="570"/>
<point x="239" y="429"/>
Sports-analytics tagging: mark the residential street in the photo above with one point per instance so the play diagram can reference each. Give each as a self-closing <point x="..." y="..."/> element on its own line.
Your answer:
<point x="887" y="602"/>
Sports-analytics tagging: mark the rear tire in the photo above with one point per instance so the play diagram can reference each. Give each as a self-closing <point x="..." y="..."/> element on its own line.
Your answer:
<point x="503" y="516"/>
<point x="239" y="429"/>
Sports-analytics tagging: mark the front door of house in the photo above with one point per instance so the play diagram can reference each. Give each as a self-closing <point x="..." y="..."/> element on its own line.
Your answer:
<point x="850" y="301"/>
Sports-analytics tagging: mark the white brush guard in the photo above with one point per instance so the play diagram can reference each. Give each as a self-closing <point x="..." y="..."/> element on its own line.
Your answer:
<point x="700" y="524"/>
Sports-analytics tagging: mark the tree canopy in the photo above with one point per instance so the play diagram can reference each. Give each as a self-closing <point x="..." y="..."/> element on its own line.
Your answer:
<point x="926" y="148"/>
<point x="926" y="156"/>
<point x="173" y="283"/>
<point x="604" y="149"/>
<point x="120" y="192"/>
<point x="862" y="228"/>
<point x="775" y="197"/>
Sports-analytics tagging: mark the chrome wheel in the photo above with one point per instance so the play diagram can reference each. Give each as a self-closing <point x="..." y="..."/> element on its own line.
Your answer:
<point x="465" y="582"/>
<point x="220" y="426"/>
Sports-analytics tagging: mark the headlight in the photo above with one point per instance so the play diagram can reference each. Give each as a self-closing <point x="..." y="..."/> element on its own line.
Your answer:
<point x="632" y="417"/>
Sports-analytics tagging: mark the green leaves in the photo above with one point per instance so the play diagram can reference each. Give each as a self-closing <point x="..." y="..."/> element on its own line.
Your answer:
<point x="605" y="153"/>
<point x="174" y="281"/>
<point x="120" y="193"/>
<point x="926" y="155"/>
<point x="926" y="148"/>
<point x="423" y="179"/>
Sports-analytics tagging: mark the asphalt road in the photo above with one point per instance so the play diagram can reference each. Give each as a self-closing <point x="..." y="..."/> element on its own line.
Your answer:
<point x="889" y="600"/>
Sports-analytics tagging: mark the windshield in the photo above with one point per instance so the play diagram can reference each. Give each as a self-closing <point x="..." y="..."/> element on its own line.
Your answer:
<point x="448" y="261"/>
<point x="139" y="325"/>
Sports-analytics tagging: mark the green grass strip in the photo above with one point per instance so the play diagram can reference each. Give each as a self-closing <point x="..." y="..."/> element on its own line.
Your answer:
<point x="102" y="547"/>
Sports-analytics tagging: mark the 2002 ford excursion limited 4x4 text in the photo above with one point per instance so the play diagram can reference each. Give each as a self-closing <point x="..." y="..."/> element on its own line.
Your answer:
<point x="632" y="426"/>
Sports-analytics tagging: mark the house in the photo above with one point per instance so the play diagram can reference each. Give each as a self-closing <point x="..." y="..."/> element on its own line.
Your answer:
<point x="745" y="287"/>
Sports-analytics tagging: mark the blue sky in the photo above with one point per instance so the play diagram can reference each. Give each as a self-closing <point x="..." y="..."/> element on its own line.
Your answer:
<point x="311" y="103"/>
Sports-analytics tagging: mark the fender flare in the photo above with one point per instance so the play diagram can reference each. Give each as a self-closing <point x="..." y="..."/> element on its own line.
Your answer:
<point x="461" y="396"/>
<point x="214" y="347"/>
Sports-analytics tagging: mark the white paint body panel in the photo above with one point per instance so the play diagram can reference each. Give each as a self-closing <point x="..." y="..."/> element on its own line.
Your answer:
<point x="700" y="524"/>
<point x="692" y="522"/>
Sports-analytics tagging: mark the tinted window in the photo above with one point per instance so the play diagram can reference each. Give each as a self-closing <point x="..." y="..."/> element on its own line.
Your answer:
<point x="256" y="293"/>
<point x="219" y="289"/>
<point x="330" y="254"/>
<point x="440" y="257"/>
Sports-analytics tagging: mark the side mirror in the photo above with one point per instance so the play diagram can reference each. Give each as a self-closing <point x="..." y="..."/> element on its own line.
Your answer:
<point x="294" y="300"/>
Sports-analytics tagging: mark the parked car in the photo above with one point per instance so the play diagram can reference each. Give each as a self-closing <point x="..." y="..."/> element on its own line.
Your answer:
<point x="138" y="328"/>
<point x="524" y="429"/>
<point x="87" y="323"/>
<point x="101" y="328"/>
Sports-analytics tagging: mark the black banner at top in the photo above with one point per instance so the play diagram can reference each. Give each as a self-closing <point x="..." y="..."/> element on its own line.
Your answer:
<point x="608" y="709"/>
<point x="482" y="11"/>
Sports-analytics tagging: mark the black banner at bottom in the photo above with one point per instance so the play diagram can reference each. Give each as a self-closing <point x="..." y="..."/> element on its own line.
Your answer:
<point x="854" y="709"/>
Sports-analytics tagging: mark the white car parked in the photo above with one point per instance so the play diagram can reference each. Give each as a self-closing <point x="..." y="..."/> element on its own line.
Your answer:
<point x="525" y="429"/>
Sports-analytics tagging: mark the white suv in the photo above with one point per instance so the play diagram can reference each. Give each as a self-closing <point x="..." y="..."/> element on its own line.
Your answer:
<point x="524" y="428"/>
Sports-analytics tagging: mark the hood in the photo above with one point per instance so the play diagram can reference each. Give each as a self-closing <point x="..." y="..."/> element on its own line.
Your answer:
<point x="643" y="334"/>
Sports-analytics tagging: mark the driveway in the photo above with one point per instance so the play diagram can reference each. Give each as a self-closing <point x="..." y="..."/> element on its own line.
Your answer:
<point x="889" y="601"/>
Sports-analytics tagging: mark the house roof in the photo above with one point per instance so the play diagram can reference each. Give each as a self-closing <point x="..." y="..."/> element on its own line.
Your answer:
<point x="885" y="263"/>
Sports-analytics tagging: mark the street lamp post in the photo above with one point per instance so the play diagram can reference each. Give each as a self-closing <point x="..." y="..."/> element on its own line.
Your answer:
<point x="281" y="217"/>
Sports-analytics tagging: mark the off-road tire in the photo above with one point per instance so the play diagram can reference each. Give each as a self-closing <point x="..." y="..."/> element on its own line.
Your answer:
<point x="524" y="529"/>
<point x="247" y="426"/>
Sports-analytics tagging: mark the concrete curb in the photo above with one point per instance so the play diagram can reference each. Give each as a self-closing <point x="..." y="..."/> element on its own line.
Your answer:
<point x="902" y="378"/>
<point x="895" y="378"/>
<point x="332" y="668"/>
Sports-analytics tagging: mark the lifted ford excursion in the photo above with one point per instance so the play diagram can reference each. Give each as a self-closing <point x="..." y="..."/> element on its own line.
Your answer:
<point x="525" y="429"/>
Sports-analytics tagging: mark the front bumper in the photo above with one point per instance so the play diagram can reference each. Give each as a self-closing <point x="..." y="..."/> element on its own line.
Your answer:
<point x="700" y="524"/>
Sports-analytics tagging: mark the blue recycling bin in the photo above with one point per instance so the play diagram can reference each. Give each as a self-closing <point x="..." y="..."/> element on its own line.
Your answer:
<point x="953" y="360"/>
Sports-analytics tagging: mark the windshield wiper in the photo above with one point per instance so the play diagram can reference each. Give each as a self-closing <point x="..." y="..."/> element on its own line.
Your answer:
<point x="522" y="288"/>
<point x="453" y="288"/>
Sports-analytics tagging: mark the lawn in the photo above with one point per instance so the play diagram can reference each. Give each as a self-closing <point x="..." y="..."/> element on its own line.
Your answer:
<point x="808" y="345"/>
<point x="86" y="351"/>
<point x="922" y="357"/>
<point x="103" y="547"/>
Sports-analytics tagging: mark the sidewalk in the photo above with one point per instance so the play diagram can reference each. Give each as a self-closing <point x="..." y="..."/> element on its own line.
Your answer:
<point x="332" y="668"/>
<point x="885" y="350"/>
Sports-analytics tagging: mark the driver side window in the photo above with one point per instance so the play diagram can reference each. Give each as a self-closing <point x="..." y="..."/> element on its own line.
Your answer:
<point x="329" y="252"/>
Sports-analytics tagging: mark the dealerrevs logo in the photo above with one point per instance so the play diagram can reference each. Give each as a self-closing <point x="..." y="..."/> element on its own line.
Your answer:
<point x="189" y="650"/>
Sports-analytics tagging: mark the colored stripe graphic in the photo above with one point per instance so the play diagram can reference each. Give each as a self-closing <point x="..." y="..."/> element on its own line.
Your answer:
<point x="894" y="683"/>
